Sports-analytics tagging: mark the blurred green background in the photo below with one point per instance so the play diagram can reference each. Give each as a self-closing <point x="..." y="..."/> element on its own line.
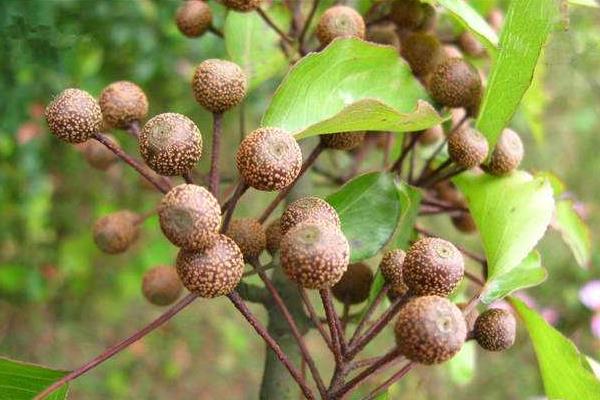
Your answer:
<point x="62" y="301"/>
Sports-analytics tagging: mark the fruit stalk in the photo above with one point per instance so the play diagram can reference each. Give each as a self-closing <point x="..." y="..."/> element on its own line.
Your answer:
<point x="213" y="178"/>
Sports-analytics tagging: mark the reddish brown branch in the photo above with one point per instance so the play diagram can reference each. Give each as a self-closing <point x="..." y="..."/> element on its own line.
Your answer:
<point x="315" y="318"/>
<point x="389" y="382"/>
<point x="367" y="316"/>
<point x="213" y="177"/>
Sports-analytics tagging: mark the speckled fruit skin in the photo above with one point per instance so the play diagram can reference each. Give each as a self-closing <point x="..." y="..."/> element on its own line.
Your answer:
<point x="464" y="223"/>
<point x="338" y="22"/>
<point x="467" y="148"/>
<point x="495" y="329"/>
<point x="391" y="267"/>
<point x="189" y="216"/>
<point x="455" y="83"/>
<point x="308" y="209"/>
<point x="423" y="52"/>
<point x="161" y="285"/>
<point x="123" y="102"/>
<point x="430" y="330"/>
<point x="74" y="116"/>
<point x="98" y="155"/>
<point x="249" y="235"/>
<point x="219" y="85"/>
<point x="213" y="272"/>
<point x="343" y="141"/>
<point x="269" y="159"/>
<point x="315" y="255"/>
<point x="242" y="5"/>
<point x="407" y="14"/>
<point x="115" y="232"/>
<point x="274" y="236"/>
<point x="507" y="154"/>
<point x="355" y="284"/>
<point x="193" y="18"/>
<point x="171" y="144"/>
<point x="433" y="266"/>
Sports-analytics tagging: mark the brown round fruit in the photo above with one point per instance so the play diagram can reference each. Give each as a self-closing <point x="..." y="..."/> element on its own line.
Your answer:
<point x="308" y="209"/>
<point x="455" y="83"/>
<point x="242" y="5"/>
<point x="355" y="284"/>
<point x="215" y="271"/>
<point x="339" y="22"/>
<point x="507" y="154"/>
<point x="190" y="216"/>
<point x="467" y="148"/>
<point x="171" y="144"/>
<point x="423" y="52"/>
<point x="315" y="255"/>
<point x="273" y="233"/>
<point x="430" y="330"/>
<point x="431" y="135"/>
<point x="193" y="18"/>
<point x="74" y="116"/>
<point x="391" y="267"/>
<point x="343" y="141"/>
<point x="464" y="222"/>
<point x="495" y="329"/>
<point x="122" y="103"/>
<point x="115" y="232"/>
<point x="161" y="285"/>
<point x="384" y="34"/>
<point x="470" y="45"/>
<point x="433" y="266"/>
<point x="219" y="85"/>
<point x="249" y="235"/>
<point x="269" y="159"/>
<point x="98" y="155"/>
<point x="407" y="14"/>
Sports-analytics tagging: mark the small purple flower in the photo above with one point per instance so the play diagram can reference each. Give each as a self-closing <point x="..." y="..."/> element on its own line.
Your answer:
<point x="589" y="295"/>
<point x="595" y="325"/>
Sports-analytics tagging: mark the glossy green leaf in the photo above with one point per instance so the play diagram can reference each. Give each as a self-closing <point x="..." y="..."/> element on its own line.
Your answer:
<point x="534" y="103"/>
<point x="22" y="381"/>
<point x="565" y="371"/>
<point x="410" y="198"/>
<point x="527" y="26"/>
<point x="473" y="21"/>
<point x="369" y="210"/>
<point x="587" y="3"/>
<point x="527" y="274"/>
<point x="253" y="45"/>
<point x="352" y="85"/>
<point x="574" y="232"/>
<point x="512" y="214"/>
<point x="461" y="367"/>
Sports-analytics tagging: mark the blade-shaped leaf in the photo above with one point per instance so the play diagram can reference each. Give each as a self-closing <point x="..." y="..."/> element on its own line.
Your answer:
<point x="574" y="232"/>
<point x="352" y="85"/>
<point x="527" y="26"/>
<point x="587" y="3"/>
<point x="471" y="20"/>
<point x="254" y="46"/>
<point x="511" y="214"/>
<point x="528" y="273"/>
<point x="369" y="210"/>
<point x="22" y="381"/>
<point x="565" y="371"/>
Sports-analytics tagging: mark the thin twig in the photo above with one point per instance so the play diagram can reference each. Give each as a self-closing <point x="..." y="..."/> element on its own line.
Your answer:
<point x="315" y="318"/>
<point x="448" y="175"/>
<point x="213" y="179"/>
<point x="272" y="24"/>
<point x="160" y="185"/>
<point x="260" y="269"/>
<point x="397" y="166"/>
<point x="187" y="177"/>
<point x="333" y="328"/>
<point x="390" y="381"/>
<point x="238" y="302"/>
<point x="433" y="174"/>
<point x="115" y="349"/>
<point x="216" y="31"/>
<point x="230" y="204"/>
<point x="134" y="129"/>
<point x="284" y="192"/>
<point x="367" y="315"/>
<point x="309" y="18"/>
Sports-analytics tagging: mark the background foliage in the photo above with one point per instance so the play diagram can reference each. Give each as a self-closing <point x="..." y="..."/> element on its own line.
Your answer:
<point x="61" y="300"/>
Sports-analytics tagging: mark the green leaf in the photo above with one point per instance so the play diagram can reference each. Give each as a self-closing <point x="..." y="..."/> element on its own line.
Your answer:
<point x="574" y="232"/>
<point x="369" y="210"/>
<point x="527" y="274"/>
<point x="534" y="103"/>
<point x="462" y="366"/>
<point x="253" y="45"/>
<point x="410" y="198"/>
<point x="470" y="19"/>
<point x="511" y="214"/>
<point x="352" y="85"/>
<point x="22" y="381"/>
<point x="527" y="26"/>
<point x="587" y="3"/>
<point x="565" y="371"/>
